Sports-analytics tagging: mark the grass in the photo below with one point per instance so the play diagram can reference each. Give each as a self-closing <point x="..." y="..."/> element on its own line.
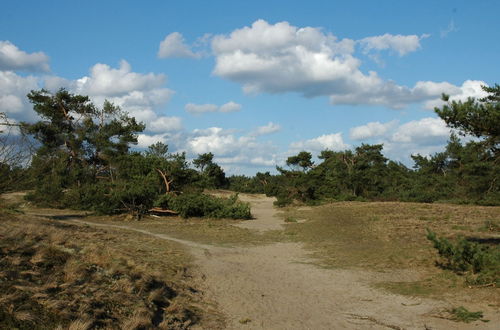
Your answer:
<point x="220" y="232"/>
<point x="390" y="237"/>
<point x="76" y="277"/>
<point x="461" y="314"/>
<point x="387" y="239"/>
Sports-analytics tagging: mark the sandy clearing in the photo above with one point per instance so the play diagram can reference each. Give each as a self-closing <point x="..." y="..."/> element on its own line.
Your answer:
<point x="276" y="287"/>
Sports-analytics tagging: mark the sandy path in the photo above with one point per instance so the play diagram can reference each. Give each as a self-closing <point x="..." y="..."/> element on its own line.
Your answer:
<point x="274" y="287"/>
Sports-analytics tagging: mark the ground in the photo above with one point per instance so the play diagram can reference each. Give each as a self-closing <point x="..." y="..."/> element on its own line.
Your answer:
<point x="342" y="265"/>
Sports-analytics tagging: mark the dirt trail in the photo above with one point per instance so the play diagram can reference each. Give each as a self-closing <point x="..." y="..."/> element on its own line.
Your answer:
<point x="275" y="287"/>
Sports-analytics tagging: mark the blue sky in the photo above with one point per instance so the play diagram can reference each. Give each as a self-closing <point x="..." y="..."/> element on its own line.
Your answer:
<point x="254" y="82"/>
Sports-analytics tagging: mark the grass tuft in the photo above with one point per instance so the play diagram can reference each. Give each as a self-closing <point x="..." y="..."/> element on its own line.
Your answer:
<point x="462" y="314"/>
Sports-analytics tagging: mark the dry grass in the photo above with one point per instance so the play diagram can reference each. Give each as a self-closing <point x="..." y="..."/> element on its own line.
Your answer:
<point x="220" y="232"/>
<point x="391" y="237"/>
<point x="75" y="277"/>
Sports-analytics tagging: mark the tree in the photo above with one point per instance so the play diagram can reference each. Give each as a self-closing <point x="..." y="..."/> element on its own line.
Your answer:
<point x="302" y="160"/>
<point x="473" y="168"/>
<point x="479" y="118"/>
<point x="80" y="144"/>
<point x="212" y="174"/>
<point x="203" y="161"/>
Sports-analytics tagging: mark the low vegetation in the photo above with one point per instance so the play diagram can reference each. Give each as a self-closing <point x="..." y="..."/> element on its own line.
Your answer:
<point x="479" y="261"/>
<point x="201" y="205"/>
<point x="391" y="237"/>
<point x="54" y="274"/>
<point x="461" y="314"/>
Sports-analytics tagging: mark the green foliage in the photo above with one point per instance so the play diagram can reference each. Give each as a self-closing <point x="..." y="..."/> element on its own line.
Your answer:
<point x="462" y="173"/>
<point x="301" y="160"/>
<point x="462" y="314"/>
<point x="481" y="260"/>
<point x="211" y="174"/>
<point x="80" y="145"/>
<point x="201" y="205"/>
<point x="480" y="118"/>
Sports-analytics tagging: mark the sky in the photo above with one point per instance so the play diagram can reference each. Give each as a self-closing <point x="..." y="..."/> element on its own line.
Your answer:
<point x="255" y="82"/>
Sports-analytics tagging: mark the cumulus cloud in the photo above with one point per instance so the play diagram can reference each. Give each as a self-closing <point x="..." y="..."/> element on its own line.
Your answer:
<point x="218" y="141"/>
<point x="142" y="95"/>
<point x="230" y="107"/>
<point x="328" y="141"/>
<point x="165" y="124"/>
<point x="397" y="97"/>
<point x="208" y="107"/>
<point x="280" y="58"/>
<point x="424" y="131"/>
<point x="174" y="46"/>
<point x="108" y="81"/>
<point x="200" y="108"/>
<point x="14" y="59"/>
<point x="144" y="140"/>
<point x="231" y="149"/>
<point x="424" y="136"/>
<point x="470" y="88"/>
<point x="13" y="91"/>
<point x="401" y="44"/>
<point x="371" y="130"/>
<point x="266" y="129"/>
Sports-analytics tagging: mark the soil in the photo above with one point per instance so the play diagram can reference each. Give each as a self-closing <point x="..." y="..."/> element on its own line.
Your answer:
<point x="277" y="286"/>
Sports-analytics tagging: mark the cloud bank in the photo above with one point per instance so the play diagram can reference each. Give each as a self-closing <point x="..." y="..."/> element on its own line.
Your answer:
<point x="280" y="58"/>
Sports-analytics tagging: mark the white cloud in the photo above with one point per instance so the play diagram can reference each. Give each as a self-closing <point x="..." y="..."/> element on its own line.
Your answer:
<point x="261" y="161"/>
<point x="108" y="81"/>
<point x="266" y="129"/>
<point x="12" y="58"/>
<point x="323" y="142"/>
<point x="144" y="140"/>
<point x="200" y="108"/>
<point x="203" y="108"/>
<point x="232" y="150"/>
<point x="230" y="107"/>
<point x="174" y="46"/>
<point x="470" y="88"/>
<point x="165" y="124"/>
<point x="424" y="136"/>
<point x="280" y="58"/>
<point x="424" y="131"/>
<point x="218" y="141"/>
<point x="140" y="95"/>
<point x="13" y="91"/>
<point x="397" y="97"/>
<point x="370" y="130"/>
<point x="402" y="44"/>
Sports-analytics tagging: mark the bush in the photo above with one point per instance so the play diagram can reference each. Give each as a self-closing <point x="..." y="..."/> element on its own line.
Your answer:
<point x="201" y="205"/>
<point x="481" y="260"/>
<point x="282" y="199"/>
<point x="461" y="314"/>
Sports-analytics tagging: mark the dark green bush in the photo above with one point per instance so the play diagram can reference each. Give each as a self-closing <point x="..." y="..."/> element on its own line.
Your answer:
<point x="282" y="199"/>
<point x="481" y="261"/>
<point x="201" y="205"/>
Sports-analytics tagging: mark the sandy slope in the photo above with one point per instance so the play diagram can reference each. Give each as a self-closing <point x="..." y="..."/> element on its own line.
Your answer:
<point x="275" y="287"/>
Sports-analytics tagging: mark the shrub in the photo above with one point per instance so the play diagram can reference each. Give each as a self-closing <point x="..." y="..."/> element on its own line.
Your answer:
<point x="462" y="314"/>
<point x="465" y="256"/>
<point x="282" y="199"/>
<point x="201" y="205"/>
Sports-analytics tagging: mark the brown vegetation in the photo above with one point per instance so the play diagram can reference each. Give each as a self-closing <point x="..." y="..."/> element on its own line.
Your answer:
<point x="54" y="274"/>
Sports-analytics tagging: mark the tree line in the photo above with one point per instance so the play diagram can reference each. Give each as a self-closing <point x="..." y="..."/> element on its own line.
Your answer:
<point x="84" y="160"/>
<point x="80" y="156"/>
<point x="464" y="172"/>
